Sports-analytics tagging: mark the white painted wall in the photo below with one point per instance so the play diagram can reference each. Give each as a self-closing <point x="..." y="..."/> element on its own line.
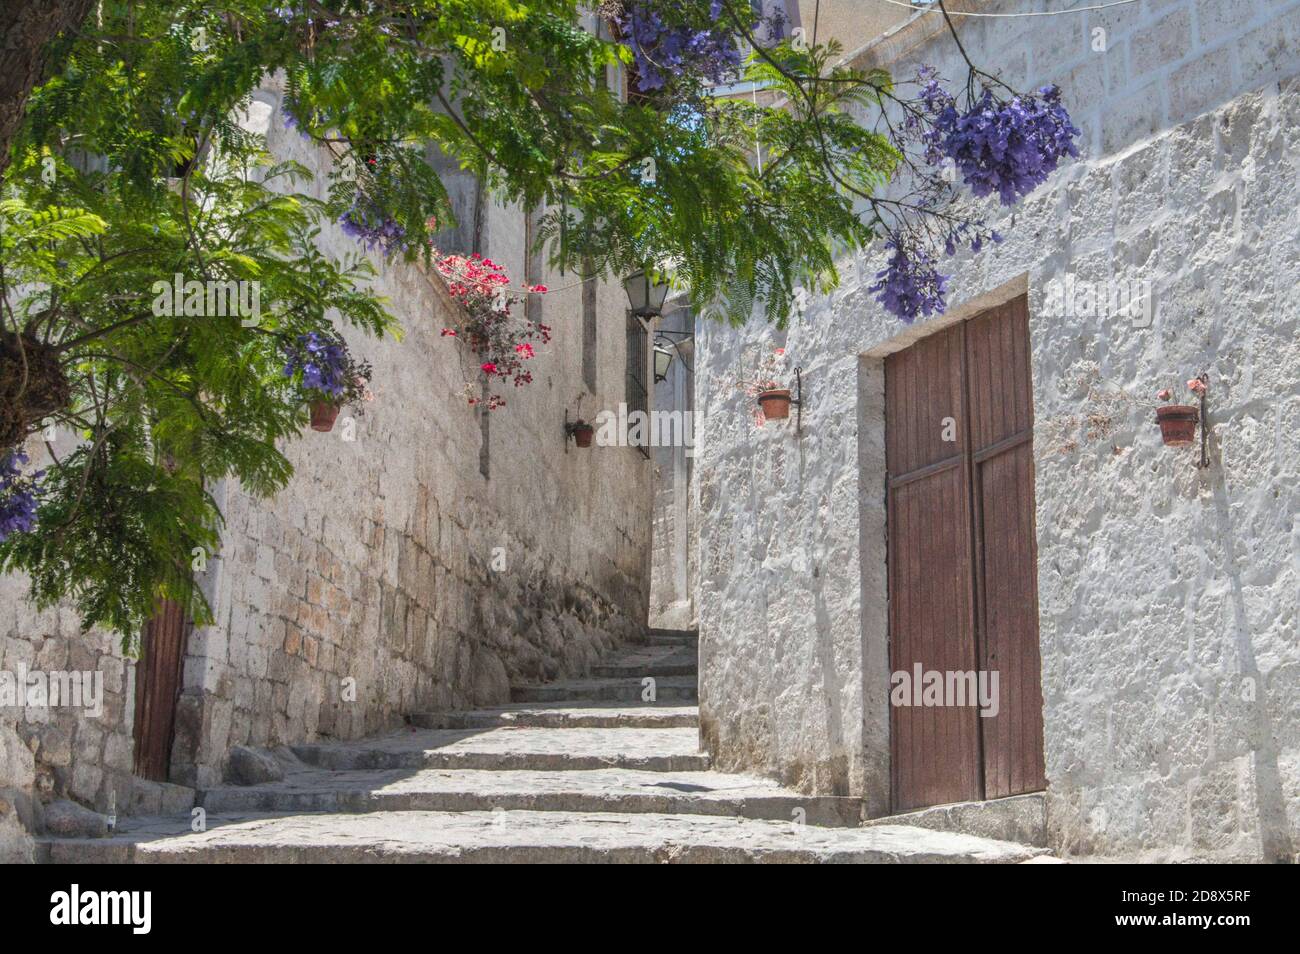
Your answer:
<point x="1167" y="594"/>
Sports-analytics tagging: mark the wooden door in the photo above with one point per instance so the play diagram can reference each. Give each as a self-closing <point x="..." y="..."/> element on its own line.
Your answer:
<point x="157" y="687"/>
<point x="962" y="584"/>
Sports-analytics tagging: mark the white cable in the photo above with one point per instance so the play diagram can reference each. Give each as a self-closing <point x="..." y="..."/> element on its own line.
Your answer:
<point x="934" y="8"/>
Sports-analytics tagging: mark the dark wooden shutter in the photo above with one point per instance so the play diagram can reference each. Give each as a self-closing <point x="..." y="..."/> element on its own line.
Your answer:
<point x="637" y="362"/>
<point x="962" y="559"/>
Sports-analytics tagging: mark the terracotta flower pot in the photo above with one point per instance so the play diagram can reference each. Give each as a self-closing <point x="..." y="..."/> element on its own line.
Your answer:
<point x="775" y="403"/>
<point x="582" y="434"/>
<point x="1177" y="423"/>
<point x="323" y="414"/>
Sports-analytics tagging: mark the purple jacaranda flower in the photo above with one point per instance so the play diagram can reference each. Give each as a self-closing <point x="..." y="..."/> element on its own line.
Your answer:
<point x="367" y="223"/>
<point x="1008" y="147"/>
<point x="322" y="361"/>
<point x="910" y="286"/>
<point x="660" y="49"/>
<point x="18" y="495"/>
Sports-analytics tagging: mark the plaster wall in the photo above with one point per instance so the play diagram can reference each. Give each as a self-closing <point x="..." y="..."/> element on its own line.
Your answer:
<point x="1168" y="594"/>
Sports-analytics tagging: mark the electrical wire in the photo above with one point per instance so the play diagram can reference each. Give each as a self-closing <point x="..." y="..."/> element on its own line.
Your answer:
<point x="1028" y="13"/>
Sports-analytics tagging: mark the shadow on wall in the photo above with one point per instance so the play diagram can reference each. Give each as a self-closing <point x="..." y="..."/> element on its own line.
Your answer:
<point x="1274" y="826"/>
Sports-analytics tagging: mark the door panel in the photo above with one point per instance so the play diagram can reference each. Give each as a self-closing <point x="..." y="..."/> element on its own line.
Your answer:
<point x="936" y="749"/>
<point x="1001" y="423"/>
<point x="157" y="687"/>
<point x="923" y="386"/>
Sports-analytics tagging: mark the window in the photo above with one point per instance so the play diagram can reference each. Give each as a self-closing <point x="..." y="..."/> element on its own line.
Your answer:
<point x="638" y="337"/>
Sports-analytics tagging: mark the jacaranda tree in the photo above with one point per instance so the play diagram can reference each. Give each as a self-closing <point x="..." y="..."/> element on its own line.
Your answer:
<point x="132" y="193"/>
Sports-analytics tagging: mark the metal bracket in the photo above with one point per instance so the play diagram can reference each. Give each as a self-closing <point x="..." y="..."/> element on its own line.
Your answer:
<point x="1205" y="423"/>
<point x="798" y="400"/>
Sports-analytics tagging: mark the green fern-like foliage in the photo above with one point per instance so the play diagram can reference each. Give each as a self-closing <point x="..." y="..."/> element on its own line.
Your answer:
<point x="131" y="169"/>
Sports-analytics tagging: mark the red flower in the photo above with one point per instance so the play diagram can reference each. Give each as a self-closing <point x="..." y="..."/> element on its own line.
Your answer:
<point x="488" y="367"/>
<point x="525" y="349"/>
<point x="448" y="333"/>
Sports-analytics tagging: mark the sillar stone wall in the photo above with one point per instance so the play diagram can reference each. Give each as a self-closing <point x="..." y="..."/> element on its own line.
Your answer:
<point x="419" y="559"/>
<point x="1168" y="594"/>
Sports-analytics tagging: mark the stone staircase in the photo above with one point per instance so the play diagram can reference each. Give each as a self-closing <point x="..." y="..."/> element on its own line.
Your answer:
<point x="577" y="771"/>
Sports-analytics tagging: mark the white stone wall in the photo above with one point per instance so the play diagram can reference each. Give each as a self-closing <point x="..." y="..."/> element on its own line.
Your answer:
<point x="379" y="563"/>
<point x="1168" y="595"/>
<point x="672" y="596"/>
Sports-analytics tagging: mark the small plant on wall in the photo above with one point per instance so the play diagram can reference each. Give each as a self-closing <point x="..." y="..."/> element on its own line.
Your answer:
<point x="502" y="340"/>
<point x="772" y="400"/>
<point x="327" y="374"/>
<point x="1178" y="421"/>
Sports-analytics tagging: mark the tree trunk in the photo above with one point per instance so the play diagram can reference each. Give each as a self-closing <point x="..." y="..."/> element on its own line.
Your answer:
<point x="26" y="29"/>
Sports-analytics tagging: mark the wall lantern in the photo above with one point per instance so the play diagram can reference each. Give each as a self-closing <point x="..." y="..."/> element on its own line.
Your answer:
<point x="666" y="338"/>
<point x="663" y="359"/>
<point x="645" y="294"/>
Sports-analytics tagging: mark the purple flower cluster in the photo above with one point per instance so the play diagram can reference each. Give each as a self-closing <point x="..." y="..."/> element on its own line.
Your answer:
<point x="1005" y="146"/>
<point x="661" y="48"/>
<point x="366" y="223"/>
<point x="910" y="284"/>
<point x="17" y="496"/>
<point x="323" y="361"/>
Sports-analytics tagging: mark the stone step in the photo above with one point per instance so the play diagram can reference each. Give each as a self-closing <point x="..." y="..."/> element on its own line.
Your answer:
<point x="678" y="642"/>
<point x="673" y="689"/>
<point x="510" y="748"/>
<point x="520" y="837"/>
<point x="633" y="670"/>
<point x="674" y="637"/>
<point x="602" y="790"/>
<point x="644" y="661"/>
<point x="560" y="715"/>
<point x="1021" y="818"/>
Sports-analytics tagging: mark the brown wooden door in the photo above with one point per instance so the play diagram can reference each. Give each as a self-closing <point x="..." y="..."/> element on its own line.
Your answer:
<point x="962" y="583"/>
<point x="157" y="687"/>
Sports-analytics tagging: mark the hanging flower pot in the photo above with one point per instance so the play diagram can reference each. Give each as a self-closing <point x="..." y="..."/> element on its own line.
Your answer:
<point x="775" y="403"/>
<point x="583" y="433"/>
<point x="1177" y="424"/>
<point x="323" y="414"/>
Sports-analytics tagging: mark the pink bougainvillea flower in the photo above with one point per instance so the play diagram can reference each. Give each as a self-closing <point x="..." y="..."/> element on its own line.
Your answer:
<point x="448" y="333"/>
<point x="1164" y="394"/>
<point x="540" y="289"/>
<point x="778" y="351"/>
<point x="1196" y="385"/>
<point x="524" y="349"/>
<point x="488" y="367"/>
